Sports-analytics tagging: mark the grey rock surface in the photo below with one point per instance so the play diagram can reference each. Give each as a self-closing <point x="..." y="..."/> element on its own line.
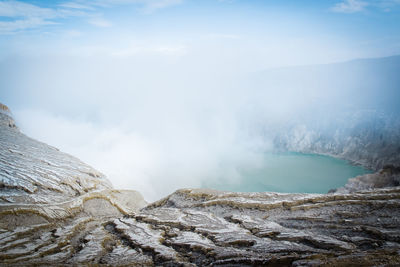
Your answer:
<point x="366" y="138"/>
<point x="389" y="176"/>
<point x="56" y="210"/>
<point x="33" y="172"/>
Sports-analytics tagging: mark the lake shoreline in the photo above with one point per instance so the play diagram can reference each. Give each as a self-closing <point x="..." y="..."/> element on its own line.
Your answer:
<point x="290" y="172"/>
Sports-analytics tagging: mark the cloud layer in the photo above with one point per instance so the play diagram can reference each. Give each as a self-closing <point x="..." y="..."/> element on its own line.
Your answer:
<point x="24" y="16"/>
<point x="355" y="6"/>
<point x="350" y="6"/>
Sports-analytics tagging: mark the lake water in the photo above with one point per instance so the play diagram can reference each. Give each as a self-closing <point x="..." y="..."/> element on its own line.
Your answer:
<point x="291" y="172"/>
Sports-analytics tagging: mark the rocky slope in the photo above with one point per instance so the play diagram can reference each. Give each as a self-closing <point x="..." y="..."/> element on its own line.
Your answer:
<point x="347" y="109"/>
<point x="45" y="193"/>
<point x="56" y="210"/>
<point x="364" y="138"/>
<point x="33" y="172"/>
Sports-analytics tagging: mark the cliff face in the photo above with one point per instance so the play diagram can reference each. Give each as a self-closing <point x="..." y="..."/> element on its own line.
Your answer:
<point x="348" y="110"/>
<point x="54" y="209"/>
<point x="33" y="172"/>
<point x="368" y="139"/>
<point x="389" y="176"/>
<point x="47" y="196"/>
<point x="364" y="138"/>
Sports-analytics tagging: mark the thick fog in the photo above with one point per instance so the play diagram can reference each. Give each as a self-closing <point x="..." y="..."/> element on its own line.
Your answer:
<point x="150" y="127"/>
<point x="159" y="126"/>
<point x="161" y="95"/>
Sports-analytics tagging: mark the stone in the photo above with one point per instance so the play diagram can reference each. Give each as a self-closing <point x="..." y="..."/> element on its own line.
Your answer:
<point x="56" y="210"/>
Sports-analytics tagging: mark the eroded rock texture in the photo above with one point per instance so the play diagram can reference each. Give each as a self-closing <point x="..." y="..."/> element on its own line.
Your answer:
<point x="389" y="176"/>
<point x="366" y="138"/>
<point x="200" y="227"/>
<point x="33" y="172"/>
<point x="56" y="210"/>
<point x="50" y="200"/>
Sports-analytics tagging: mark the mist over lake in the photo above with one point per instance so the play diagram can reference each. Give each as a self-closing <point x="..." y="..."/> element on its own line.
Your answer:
<point x="158" y="98"/>
<point x="289" y="172"/>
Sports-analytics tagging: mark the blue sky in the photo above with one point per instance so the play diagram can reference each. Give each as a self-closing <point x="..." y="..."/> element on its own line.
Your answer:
<point x="346" y="28"/>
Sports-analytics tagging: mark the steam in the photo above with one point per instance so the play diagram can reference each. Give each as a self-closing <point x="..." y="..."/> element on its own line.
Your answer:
<point x="165" y="112"/>
<point x="157" y="124"/>
<point x="160" y="95"/>
<point x="151" y="130"/>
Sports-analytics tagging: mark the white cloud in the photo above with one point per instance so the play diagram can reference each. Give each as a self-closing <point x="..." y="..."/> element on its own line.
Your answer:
<point x="147" y="5"/>
<point x="20" y="9"/>
<point x="143" y="48"/>
<point x="73" y="34"/>
<point x="350" y="6"/>
<point x="222" y="36"/>
<point x="176" y="50"/>
<point x="227" y="1"/>
<point x="28" y="16"/>
<point x="74" y="5"/>
<point x="100" y="22"/>
<point x="354" y="6"/>
<point x="151" y="6"/>
<point x="387" y="5"/>
<point x="9" y="27"/>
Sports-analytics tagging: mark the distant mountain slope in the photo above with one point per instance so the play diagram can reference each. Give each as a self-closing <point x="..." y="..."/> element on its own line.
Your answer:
<point x="350" y="109"/>
<point x="353" y="85"/>
<point x="365" y="138"/>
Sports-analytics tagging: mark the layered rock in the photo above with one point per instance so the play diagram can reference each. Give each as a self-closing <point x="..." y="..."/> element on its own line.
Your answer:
<point x="202" y="228"/>
<point x="389" y="176"/>
<point x="56" y="210"/>
<point x="48" y="197"/>
<point x="33" y="172"/>
<point x="366" y="138"/>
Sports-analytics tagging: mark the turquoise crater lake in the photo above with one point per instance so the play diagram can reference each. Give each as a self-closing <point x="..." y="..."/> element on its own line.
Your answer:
<point x="290" y="173"/>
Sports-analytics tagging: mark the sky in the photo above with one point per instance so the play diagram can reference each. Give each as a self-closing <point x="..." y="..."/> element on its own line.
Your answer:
<point x="333" y="30"/>
<point x="149" y="91"/>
